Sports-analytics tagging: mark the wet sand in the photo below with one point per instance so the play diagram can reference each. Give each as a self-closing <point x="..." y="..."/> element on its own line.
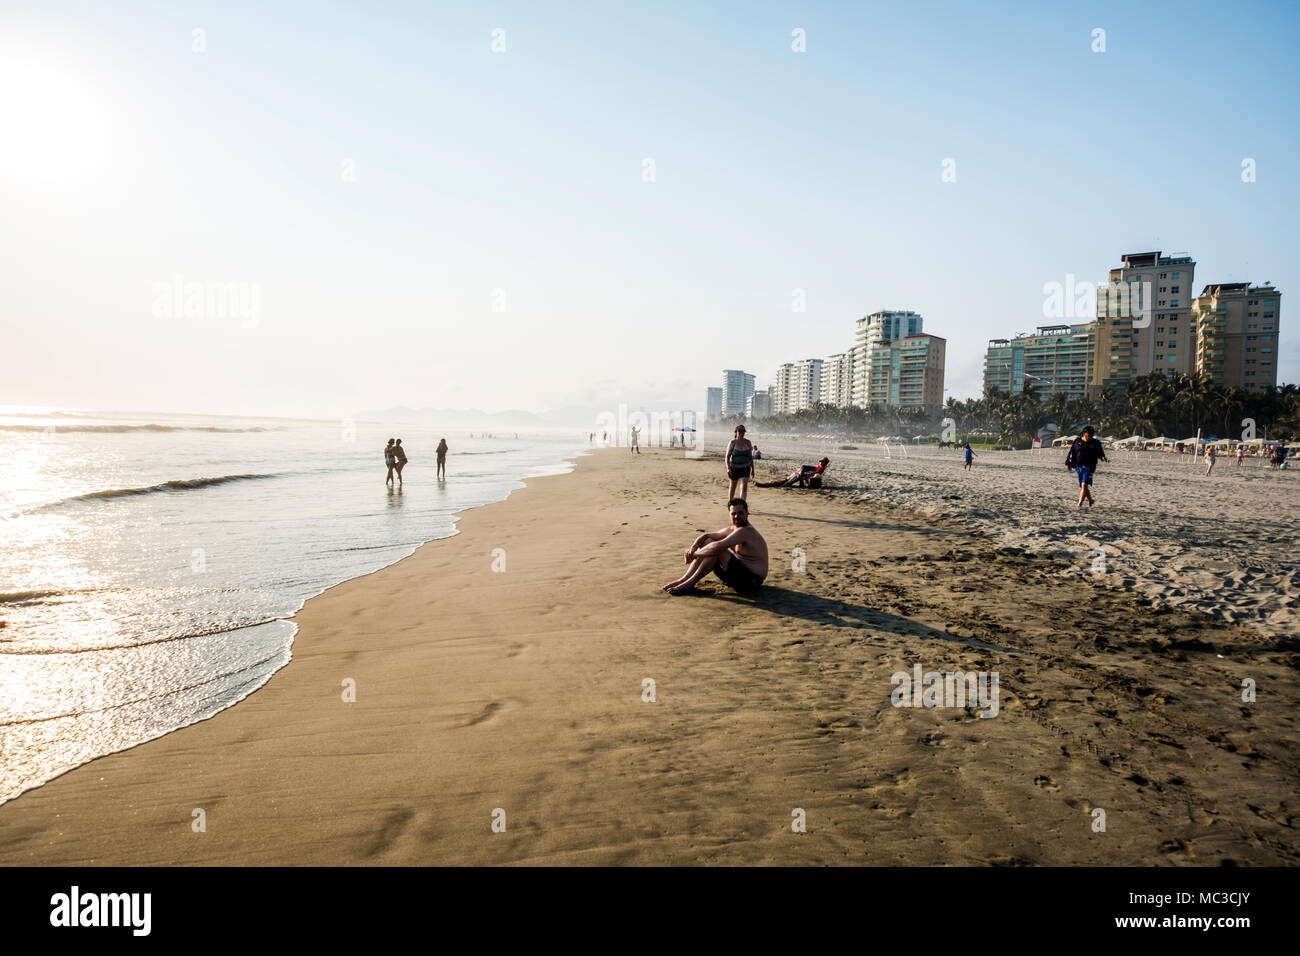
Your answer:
<point x="519" y="693"/>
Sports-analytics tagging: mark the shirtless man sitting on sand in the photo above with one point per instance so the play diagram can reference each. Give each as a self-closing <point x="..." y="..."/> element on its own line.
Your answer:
<point x="736" y="554"/>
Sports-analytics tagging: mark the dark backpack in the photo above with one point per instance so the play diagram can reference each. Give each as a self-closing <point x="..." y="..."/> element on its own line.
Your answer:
<point x="815" y="481"/>
<point x="1072" y="457"/>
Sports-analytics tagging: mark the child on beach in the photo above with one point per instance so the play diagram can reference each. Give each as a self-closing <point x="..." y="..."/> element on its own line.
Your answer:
<point x="1209" y="460"/>
<point x="970" y="457"/>
<point x="1084" y="454"/>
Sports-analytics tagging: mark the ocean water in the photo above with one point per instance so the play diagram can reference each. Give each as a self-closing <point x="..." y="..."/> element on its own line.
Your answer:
<point x="148" y="563"/>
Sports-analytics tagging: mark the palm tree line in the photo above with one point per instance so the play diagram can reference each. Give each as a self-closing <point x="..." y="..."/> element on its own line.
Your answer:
<point x="1150" y="406"/>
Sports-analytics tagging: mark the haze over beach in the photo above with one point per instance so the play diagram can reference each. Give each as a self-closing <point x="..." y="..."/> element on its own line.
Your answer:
<point x="649" y="435"/>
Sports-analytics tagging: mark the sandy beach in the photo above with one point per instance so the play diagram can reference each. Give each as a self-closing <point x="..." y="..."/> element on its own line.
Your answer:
<point x="500" y="675"/>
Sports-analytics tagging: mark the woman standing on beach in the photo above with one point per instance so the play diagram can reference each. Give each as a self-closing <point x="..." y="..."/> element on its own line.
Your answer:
<point x="389" y="460"/>
<point x="740" y="464"/>
<point x="442" y="459"/>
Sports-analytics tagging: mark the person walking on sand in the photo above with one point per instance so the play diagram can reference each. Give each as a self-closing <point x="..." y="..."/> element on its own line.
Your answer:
<point x="1241" y="455"/>
<point x="399" y="460"/>
<point x="740" y="464"/>
<point x="390" y="460"/>
<point x="1209" y="460"/>
<point x="635" y="447"/>
<point x="737" y="554"/>
<point x="970" y="458"/>
<point x="441" y="451"/>
<point x="1085" y="452"/>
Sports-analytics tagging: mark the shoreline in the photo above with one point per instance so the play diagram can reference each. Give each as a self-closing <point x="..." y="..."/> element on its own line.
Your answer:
<point x="522" y="690"/>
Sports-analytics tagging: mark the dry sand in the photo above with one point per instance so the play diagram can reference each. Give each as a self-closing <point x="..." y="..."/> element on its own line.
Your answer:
<point x="523" y="690"/>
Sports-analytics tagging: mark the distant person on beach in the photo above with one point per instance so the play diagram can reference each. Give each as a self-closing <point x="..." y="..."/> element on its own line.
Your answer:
<point x="737" y="554"/>
<point x="400" y="459"/>
<point x="1084" y="454"/>
<point x="635" y="447"/>
<point x="441" y="451"/>
<point x="1241" y="455"/>
<point x="740" y="464"/>
<point x="970" y="457"/>
<point x="390" y="460"/>
<point x="758" y="455"/>
<point x="1209" y="460"/>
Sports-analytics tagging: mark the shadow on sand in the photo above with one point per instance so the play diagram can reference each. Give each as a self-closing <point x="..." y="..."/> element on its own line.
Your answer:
<point x="783" y="602"/>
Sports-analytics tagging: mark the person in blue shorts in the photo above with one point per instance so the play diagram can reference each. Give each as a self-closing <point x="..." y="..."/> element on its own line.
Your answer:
<point x="1084" y="454"/>
<point x="970" y="458"/>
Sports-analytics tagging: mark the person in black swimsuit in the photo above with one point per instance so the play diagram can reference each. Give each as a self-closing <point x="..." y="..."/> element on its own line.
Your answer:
<point x="740" y="464"/>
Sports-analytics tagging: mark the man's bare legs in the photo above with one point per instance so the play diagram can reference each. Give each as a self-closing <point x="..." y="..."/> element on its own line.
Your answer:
<point x="699" y="567"/>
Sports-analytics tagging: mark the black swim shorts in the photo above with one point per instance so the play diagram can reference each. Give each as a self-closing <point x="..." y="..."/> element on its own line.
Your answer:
<point x="735" y="474"/>
<point x="737" y="576"/>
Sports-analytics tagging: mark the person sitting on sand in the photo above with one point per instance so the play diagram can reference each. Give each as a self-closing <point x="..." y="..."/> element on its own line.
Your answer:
<point x="737" y="554"/>
<point x="802" y="476"/>
<point x="400" y="459"/>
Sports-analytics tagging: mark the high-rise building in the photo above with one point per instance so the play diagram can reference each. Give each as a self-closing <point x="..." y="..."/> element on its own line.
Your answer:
<point x="908" y="373"/>
<point x="1237" y="328"/>
<point x="796" y="386"/>
<point x="805" y="387"/>
<point x="713" y="405"/>
<point x="737" y="386"/>
<point x="874" y="332"/>
<point x="1144" y="320"/>
<point x="837" y="380"/>
<point x="780" y="388"/>
<point x="858" y="390"/>
<point x="759" y="406"/>
<point x="1058" y="358"/>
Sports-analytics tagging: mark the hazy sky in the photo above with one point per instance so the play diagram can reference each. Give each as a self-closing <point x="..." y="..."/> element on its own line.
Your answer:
<point x="368" y="174"/>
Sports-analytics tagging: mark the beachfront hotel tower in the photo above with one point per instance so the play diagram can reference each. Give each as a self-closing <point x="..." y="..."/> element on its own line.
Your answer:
<point x="1055" y="358"/>
<point x="759" y="405"/>
<point x="737" y="386"/>
<point x="908" y="373"/>
<point x="837" y="380"/>
<point x="1144" y="320"/>
<point x="796" y="386"/>
<point x="713" y="404"/>
<point x="1237" y="327"/>
<point x="874" y="332"/>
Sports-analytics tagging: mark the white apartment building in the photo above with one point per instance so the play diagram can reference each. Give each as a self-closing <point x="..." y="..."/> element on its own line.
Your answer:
<point x="837" y="380"/>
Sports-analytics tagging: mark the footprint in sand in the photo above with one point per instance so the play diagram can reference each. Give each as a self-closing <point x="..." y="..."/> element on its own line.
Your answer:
<point x="1047" y="783"/>
<point x="487" y="713"/>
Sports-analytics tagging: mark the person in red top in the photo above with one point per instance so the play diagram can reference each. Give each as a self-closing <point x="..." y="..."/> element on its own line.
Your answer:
<point x="804" y="473"/>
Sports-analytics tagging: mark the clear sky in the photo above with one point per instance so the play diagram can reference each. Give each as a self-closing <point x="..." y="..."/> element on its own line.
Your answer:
<point x="368" y="174"/>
